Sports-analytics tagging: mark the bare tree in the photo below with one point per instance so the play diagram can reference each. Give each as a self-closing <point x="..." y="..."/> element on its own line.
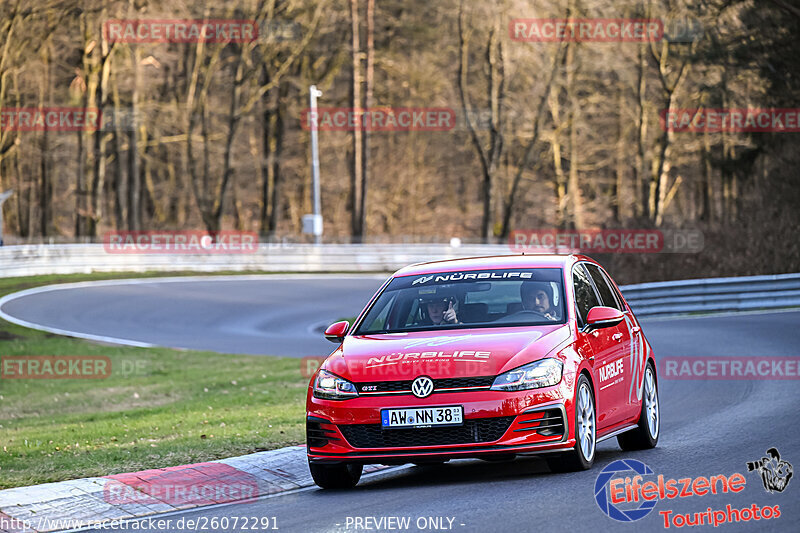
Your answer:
<point x="670" y="77"/>
<point x="368" y="92"/>
<point x="514" y="190"/>
<point x="489" y="157"/>
<point x="356" y="165"/>
<point x="12" y="47"/>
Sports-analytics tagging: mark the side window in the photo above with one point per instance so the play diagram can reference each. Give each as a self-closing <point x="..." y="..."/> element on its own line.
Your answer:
<point x="616" y="291"/>
<point x="602" y="287"/>
<point x="585" y="297"/>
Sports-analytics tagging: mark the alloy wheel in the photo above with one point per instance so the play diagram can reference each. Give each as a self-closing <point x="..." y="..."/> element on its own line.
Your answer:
<point x="586" y="424"/>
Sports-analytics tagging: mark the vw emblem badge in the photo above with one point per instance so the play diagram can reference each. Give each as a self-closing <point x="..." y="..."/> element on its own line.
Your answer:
<point x="422" y="387"/>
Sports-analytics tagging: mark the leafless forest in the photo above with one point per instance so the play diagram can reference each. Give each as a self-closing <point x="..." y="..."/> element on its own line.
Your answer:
<point x="548" y="134"/>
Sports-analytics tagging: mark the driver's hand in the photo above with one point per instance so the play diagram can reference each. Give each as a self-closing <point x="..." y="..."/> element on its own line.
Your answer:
<point x="450" y="315"/>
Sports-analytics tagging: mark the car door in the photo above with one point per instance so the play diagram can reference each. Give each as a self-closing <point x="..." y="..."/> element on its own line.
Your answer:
<point x="616" y="375"/>
<point x="599" y="340"/>
<point x="635" y="353"/>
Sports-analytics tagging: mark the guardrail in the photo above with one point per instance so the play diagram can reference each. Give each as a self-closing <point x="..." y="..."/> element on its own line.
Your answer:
<point x="646" y="299"/>
<point x="713" y="295"/>
<point x="31" y="260"/>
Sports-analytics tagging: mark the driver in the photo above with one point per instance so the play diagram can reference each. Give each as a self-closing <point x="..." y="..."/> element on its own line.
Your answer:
<point x="537" y="296"/>
<point x="440" y="311"/>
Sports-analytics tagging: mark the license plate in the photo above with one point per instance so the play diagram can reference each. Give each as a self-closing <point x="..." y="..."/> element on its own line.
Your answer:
<point x="422" y="417"/>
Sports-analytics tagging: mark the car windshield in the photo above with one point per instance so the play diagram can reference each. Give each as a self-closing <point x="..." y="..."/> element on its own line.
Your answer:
<point x="468" y="299"/>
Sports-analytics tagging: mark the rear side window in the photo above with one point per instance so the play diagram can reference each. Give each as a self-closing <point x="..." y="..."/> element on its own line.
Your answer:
<point x="605" y="291"/>
<point x="585" y="297"/>
<point x="616" y="291"/>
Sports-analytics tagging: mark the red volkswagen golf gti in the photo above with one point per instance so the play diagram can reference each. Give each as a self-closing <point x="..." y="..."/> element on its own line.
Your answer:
<point x="486" y="358"/>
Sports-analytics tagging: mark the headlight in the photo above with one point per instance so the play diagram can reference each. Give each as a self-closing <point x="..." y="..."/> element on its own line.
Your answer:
<point x="542" y="373"/>
<point x="331" y="387"/>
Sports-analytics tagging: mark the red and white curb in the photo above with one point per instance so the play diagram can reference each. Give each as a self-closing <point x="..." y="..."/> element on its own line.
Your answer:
<point x="80" y="503"/>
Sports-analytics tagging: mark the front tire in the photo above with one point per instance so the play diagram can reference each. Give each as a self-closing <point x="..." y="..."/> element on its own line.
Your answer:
<point x="339" y="476"/>
<point x="582" y="455"/>
<point x="645" y="436"/>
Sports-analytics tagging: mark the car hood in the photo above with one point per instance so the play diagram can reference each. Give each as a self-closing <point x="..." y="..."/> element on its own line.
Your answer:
<point x="438" y="354"/>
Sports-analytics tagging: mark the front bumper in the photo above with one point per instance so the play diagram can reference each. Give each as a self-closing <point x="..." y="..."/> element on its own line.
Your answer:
<point x="495" y="423"/>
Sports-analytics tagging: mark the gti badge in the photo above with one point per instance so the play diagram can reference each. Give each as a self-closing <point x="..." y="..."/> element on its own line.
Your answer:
<point x="422" y="387"/>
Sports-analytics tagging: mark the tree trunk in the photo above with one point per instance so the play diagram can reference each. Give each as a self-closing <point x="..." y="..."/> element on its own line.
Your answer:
<point x="706" y="214"/>
<point x="152" y="207"/>
<point x="7" y="144"/>
<point x="619" y="174"/>
<point x="275" y="211"/>
<point x="45" y="182"/>
<point x="555" y="145"/>
<point x="134" y="177"/>
<point x="573" y="184"/>
<point x="640" y="203"/>
<point x="661" y="167"/>
<point x="176" y="206"/>
<point x="495" y="90"/>
<point x="80" y="185"/>
<point x="118" y="185"/>
<point x="368" y="89"/>
<point x="356" y="167"/>
<point x="508" y="207"/>
<point x="88" y="86"/>
<point x="266" y="150"/>
<point x="99" y="137"/>
<point x="227" y="169"/>
<point x="662" y="163"/>
<point x="23" y="200"/>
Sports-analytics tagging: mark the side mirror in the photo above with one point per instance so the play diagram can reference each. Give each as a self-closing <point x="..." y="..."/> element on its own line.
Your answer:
<point x="336" y="332"/>
<point x="602" y="317"/>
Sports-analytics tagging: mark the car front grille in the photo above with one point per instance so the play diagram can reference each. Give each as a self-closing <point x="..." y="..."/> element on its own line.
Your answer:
<point x="474" y="430"/>
<point x="383" y="387"/>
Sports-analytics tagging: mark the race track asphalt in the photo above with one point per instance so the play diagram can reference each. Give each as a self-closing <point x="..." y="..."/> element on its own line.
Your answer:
<point x="709" y="427"/>
<point x="261" y="315"/>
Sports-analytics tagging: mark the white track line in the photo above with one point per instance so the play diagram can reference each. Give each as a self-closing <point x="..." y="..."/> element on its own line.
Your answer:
<point x="141" y="281"/>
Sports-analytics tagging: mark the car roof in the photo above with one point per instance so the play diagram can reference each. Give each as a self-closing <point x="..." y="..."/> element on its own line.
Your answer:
<point x="494" y="262"/>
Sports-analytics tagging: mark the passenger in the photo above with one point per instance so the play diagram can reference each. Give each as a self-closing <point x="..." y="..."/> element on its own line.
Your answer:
<point x="537" y="296"/>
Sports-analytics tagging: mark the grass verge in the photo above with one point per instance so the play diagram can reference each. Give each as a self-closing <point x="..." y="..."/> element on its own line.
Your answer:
<point x="159" y="407"/>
